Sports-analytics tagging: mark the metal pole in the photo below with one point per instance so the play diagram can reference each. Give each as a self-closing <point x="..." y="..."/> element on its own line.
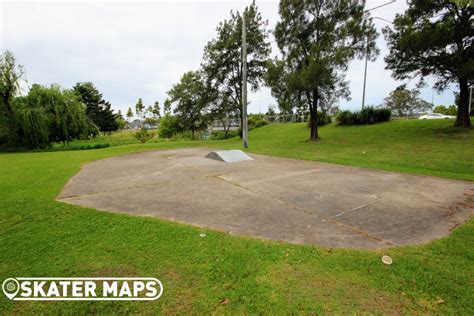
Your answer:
<point x="365" y="71"/>
<point x="470" y="100"/>
<point x="367" y="48"/>
<point x="244" y="83"/>
<point x="432" y="97"/>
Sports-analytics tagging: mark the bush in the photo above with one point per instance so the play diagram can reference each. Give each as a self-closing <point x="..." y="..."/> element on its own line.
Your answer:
<point x="169" y="126"/>
<point x="256" y="121"/>
<point x="143" y="135"/>
<point x="368" y="115"/>
<point x="323" y="119"/>
<point x="451" y="110"/>
<point x="383" y="115"/>
<point x="218" y="135"/>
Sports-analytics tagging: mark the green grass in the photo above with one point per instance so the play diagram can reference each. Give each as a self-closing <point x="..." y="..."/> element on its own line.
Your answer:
<point x="228" y="274"/>
<point x="123" y="137"/>
<point x="427" y="147"/>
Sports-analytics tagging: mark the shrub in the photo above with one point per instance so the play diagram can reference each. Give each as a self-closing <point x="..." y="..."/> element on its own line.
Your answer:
<point x="218" y="135"/>
<point x="169" y="126"/>
<point x="368" y="115"/>
<point x="451" y="110"/>
<point x="323" y="119"/>
<point x="143" y="135"/>
<point x="383" y="115"/>
<point x="256" y="122"/>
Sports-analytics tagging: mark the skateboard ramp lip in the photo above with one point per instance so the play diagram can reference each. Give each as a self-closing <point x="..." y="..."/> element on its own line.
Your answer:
<point x="229" y="156"/>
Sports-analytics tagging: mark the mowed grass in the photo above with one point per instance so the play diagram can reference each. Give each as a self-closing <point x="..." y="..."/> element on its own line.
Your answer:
<point x="427" y="147"/>
<point x="220" y="273"/>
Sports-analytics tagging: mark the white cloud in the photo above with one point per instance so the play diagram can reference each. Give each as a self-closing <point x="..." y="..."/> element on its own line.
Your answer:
<point x="131" y="50"/>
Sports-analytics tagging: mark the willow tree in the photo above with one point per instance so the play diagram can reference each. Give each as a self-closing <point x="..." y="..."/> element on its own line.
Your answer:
<point x="435" y="37"/>
<point x="318" y="39"/>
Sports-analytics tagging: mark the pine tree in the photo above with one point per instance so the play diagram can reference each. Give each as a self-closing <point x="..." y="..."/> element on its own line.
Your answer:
<point x="156" y="109"/>
<point x="167" y="106"/>
<point x="129" y="115"/>
<point x="140" y="108"/>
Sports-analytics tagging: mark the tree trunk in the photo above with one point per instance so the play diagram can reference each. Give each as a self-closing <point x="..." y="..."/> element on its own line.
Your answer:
<point x="314" y="117"/>
<point x="462" y="118"/>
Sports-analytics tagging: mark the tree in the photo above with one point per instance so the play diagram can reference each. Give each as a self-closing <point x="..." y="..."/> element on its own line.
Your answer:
<point x="276" y="78"/>
<point x="60" y="110"/>
<point x="156" y="110"/>
<point x="129" y="115"/>
<point x="223" y="58"/>
<point x="167" y="106"/>
<point x="169" y="126"/>
<point x="31" y="122"/>
<point x="190" y="98"/>
<point x="120" y="120"/>
<point x="149" y="110"/>
<point x="318" y="39"/>
<point x="108" y="119"/>
<point x="140" y="108"/>
<point x="221" y="108"/>
<point x="97" y="109"/>
<point x="404" y="102"/>
<point x="451" y="110"/>
<point x="11" y="75"/>
<point x="435" y="37"/>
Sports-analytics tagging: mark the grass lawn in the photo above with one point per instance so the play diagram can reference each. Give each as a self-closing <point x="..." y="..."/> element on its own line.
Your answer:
<point x="219" y="273"/>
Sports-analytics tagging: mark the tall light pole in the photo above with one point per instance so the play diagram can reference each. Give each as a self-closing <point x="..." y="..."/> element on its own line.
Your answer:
<point x="367" y="50"/>
<point x="244" y="84"/>
<point x="365" y="71"/>
<point x="470" y="99"/>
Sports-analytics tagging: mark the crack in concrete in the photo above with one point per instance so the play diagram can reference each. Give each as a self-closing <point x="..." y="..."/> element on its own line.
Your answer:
<point x="281" y="177"/>
<point x="306" y="211"/>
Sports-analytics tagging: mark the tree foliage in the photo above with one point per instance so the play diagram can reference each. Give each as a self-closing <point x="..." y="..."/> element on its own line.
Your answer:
<point x="288" y="100"/>
<point x="404" y="102"/>
<point x="140" y="108"/>
<point x="435" y="37"/>
<point x="11" y="75"/>
<point x="167" y="106"/>
<point x="318" y="39"/>
<point x="190" y="98"/>
<point x="450" y="110"/>
<point x="97" y="109"/>
<point x="121" y="123"/>
<point x="222" y="63"/>
<point x="169" y="126"/>
<point x="129" y="114"/>
<point x="156" y="109"/>
<point x="50" y="114"/>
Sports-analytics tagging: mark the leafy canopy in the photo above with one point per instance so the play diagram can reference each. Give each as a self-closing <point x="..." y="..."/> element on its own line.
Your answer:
<point x="434" y="38"/>
<point x="222" y="65"/>
<point x="97" y="109"/>
<point x="318" y="39"/>
<point x="190" y="98"/>
<point x="403" y="102"/>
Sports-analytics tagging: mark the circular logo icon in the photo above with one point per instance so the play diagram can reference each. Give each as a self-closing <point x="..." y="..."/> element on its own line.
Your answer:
<point x="10" y="287"/>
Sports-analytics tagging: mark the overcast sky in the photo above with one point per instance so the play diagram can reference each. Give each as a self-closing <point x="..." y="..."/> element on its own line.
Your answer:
<point x="139" y="49"/>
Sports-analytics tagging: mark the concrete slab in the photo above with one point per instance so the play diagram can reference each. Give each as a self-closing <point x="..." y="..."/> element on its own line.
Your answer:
<point x="228" y="155"/>
<point x="276" y="198"/>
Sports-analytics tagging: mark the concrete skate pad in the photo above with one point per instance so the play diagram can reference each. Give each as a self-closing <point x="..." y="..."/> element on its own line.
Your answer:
<point x="276" y="198"/>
